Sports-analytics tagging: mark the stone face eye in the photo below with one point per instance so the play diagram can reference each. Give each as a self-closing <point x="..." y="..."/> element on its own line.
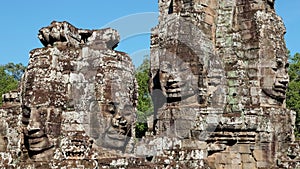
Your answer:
<point x="279" y="64"/>
<point x="275" y="69"/>
<point x="111" y="109"/>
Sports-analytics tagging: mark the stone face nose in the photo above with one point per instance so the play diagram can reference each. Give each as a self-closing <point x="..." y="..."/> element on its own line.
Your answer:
<point x="119" y="121"/>
<point x="34" y="127"/>
<point x="34" y="121"/>
<point x="36" y="137"/>
<point x="283" y="77"/>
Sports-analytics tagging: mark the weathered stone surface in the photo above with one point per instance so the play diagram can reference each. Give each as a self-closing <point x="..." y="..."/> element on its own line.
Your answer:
<point x="66" y="34"/>
<point x="219" y="75"/>
<point x="218" y="83"/>
<point x="77" y="101"/>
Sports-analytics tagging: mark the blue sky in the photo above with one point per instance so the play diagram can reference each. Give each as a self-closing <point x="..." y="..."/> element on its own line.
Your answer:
<point x="21" y="20"/>
<point x="289" y="10"/>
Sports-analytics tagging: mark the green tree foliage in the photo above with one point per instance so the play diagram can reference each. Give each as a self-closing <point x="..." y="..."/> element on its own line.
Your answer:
<point x="15" y="70"/>
<point x="145" y="107"/>
<point x="293" y="92"/>
<point x="10" y="75"/>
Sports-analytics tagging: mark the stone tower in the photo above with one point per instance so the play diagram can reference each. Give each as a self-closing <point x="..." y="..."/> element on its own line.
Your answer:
<point x="219" y="78"/>
<point x="76" y="102"/>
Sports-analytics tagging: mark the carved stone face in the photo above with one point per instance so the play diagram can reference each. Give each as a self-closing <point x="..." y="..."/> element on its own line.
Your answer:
<point x="42" y="103"/>
<point x="180" y="78"/>
<point x="118" y="125"/>
<point x="179" y="73"/>
<point x="176" y="81"/>
<point x="275" y="78"/>
<point x="41" y="130"/>
<point x="115" y="91"/>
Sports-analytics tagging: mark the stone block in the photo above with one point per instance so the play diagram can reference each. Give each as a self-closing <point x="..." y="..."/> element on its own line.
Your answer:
<point x="209" y="19"/>
<point x="233" y="166"/>
<point x="244" y="148"/>
<point x="194" y="144"/>
<point x="235" y="158"/>
<point x="247" y="158"/>
<point x="259" y="155"/>
<point x="249" y="165"/>
<point x="232" y="74"/>
<point x="263" y="164"/>
<point x="224" y="158"/>
<point x="220" y="166"/>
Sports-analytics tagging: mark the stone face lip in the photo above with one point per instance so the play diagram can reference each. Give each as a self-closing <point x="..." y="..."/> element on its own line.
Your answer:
<point x="65" y="33"/>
